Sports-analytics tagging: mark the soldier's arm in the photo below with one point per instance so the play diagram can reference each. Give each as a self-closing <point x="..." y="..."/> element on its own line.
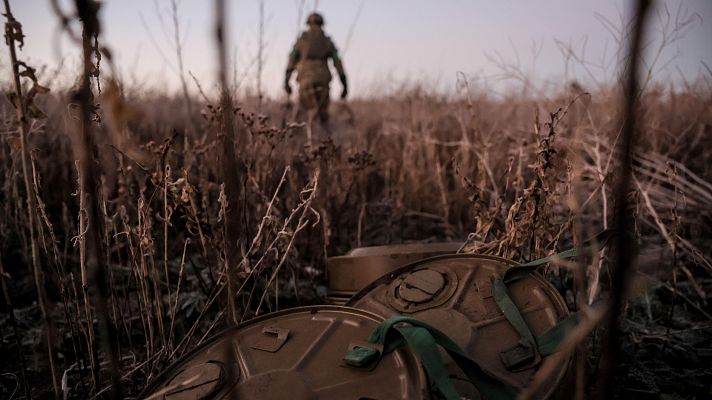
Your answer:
<point x="334" y="55"/>
<point x="293" y="60"/>
<point x="340" y="70"/>
<point x="291" y="65"/>
<point x="338" y="64"/>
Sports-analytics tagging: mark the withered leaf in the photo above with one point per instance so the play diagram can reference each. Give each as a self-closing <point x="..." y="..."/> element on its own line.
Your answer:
<point x="40" y="89"/>
<point x="34" y="112"/>
<point x="13" y="31"/>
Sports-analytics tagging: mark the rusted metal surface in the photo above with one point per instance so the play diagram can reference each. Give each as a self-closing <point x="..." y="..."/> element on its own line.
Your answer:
<point x="351" y="272"/>
<point x="294" y="354"/>
<point x="454" y="294"/>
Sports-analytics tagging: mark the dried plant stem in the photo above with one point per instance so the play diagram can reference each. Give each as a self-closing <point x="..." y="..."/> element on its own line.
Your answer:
<point x="138" y="268"/>
<point x="179" y="57"/>
<point x="283" y="231"/>
<point x="265" y="219"/>
<point x="624" y="255"/>
<point x="444" y="202"/>
<point x="230" y="175"/>
<point x="166" y="222"/>
<point x="59" y="267"/>
<point x="180" y="279"/>
<point x="89" y="331"/>
<point x="84" y="149"/>
<point x="260" y="55"/>
<point x="231" y="169"/>
<point x="31" y="201"/>
<point x="302" y="223"/>
<point x="359" y="225"/>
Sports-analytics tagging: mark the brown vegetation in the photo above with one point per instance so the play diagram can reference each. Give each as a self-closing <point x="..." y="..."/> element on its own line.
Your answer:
<point x="517" y="177"/>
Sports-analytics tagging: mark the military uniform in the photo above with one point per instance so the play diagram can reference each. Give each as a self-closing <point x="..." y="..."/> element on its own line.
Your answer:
<point x="310" y="58"/>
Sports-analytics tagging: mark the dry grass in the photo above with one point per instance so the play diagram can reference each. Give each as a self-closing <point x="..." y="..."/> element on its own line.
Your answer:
<point x="420" y="169"/>
<point x="517" y="177"/>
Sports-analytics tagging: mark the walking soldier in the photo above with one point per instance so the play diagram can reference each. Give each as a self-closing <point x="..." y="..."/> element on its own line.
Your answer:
<point x="309" y="57"/>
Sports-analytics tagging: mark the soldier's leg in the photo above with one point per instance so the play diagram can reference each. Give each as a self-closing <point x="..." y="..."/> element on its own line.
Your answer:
<point x="304" y="103"/>
<point x="306" y="109"/>
<point x="323" y="109"/>
<point x="297" y="112"/>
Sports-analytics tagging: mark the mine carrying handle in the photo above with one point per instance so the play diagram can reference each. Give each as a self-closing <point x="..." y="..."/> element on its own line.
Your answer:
<point x="602" y="239"/>
<point x="527" y="353"/>
<point x="424" y="339"/>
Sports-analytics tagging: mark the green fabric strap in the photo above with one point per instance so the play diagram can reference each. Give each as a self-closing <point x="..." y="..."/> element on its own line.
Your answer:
<point x="549" y="341"/>
<point x="423" y="339"/>
<point x="519" y="271"/>
<point x="570" y="253"/>
<point x="423" y="343"/>
<point x="526" y="352"/>
<point x="511" y="312"/>
<point x="554" y="336"/>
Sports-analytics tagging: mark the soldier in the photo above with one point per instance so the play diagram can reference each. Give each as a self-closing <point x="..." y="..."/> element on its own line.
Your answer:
<point x="310" y="57"/>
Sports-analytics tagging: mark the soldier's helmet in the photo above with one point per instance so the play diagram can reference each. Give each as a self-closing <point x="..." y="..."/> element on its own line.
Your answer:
<point x="315" y="19"/>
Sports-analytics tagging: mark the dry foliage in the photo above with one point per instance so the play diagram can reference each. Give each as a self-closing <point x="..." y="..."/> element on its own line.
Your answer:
<point x="517" y="177"/>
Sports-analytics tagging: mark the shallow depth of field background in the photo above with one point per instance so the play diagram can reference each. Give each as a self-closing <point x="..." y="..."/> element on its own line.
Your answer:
<point x="513" y="165"/>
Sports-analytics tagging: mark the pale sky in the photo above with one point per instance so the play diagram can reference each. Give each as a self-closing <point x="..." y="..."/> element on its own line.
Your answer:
<point x="392" y="41"/>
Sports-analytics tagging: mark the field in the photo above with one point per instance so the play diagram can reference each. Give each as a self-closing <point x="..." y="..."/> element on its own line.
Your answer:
<point x="520" y="177"/>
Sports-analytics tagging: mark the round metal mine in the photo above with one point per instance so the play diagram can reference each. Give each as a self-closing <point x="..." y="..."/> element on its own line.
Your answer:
<point x="454" y="293"/>
<point x="351" y="272"/>
<point x="294" y="354"/>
